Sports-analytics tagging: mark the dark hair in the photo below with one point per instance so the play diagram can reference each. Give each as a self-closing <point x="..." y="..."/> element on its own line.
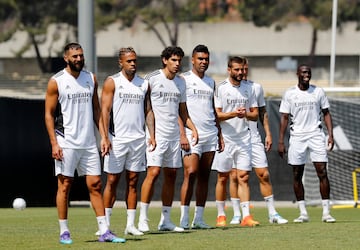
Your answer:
<point x="170" y="51"/>
<point x="71" y="46"/>
<point x="124" y="50"/>
<point x="236" y="59"/>
<point x="200" y="48"/>
<point x="303" y="65"/>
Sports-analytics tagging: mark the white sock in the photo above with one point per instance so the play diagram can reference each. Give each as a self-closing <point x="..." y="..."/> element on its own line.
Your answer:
<point x="220" y="205"/>
<point x="108" y="213"/>
<point x="199" y="212"/>
<point x="326" y="207"/>
<point x="130" y="217"/>
<point x="101" y="220"/>
<point x="63" y="226"/>
<point x="144" y="207"/>
<point x="302" y="207"/>
<point x="269" y="200"/>
<point x="236" y="206"/>
<point x="184" y="210"/>
<point x="245" y="207"/>
<point x="165" y="214"/>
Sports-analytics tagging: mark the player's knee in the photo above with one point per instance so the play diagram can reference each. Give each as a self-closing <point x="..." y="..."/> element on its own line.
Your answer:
<point x="94" y="185"/>
<point x="243" y="178"/>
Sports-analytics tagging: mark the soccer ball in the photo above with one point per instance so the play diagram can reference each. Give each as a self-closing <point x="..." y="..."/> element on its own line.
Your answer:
<point x="19" y="204"/>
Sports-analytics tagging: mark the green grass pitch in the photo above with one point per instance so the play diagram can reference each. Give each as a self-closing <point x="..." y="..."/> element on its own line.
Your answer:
<point x="37" y="228"/>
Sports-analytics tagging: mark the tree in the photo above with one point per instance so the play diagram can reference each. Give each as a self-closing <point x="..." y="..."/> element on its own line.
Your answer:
<point x="317" y="12"/>
<point x="34" y="18"/>
<point x="168" y="13"/>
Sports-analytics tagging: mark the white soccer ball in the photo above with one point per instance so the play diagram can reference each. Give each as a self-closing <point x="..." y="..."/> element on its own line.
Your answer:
<point x="19" y="204"/>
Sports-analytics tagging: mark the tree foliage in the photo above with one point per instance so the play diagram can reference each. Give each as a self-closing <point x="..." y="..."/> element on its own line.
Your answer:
<point x="155" y="14"/>
<point x="34" y="18"/>
<point x="317" y="12"/>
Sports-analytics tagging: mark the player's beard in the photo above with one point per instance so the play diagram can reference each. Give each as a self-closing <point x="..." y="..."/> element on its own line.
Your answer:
<point x="236" y="78"/>
<point x="76" y="66"/>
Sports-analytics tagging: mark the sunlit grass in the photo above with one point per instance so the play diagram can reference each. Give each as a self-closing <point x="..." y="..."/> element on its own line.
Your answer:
<point x="37" y="228"/>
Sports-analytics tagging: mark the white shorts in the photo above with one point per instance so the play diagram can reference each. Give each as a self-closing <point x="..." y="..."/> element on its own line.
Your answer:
<point x="234" y="156"/>
<point x="85" y="161"/>
<point x="258" y="155"/>
<point x="166" y="154"/>
<point x="299" y="146"/>
<point x="129" y="156"/>
<point x="202" y="146"/>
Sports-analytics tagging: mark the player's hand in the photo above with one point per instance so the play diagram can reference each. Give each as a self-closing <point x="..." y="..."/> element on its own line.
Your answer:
<point x="268" y="143"/>
<point x="281" y="149"/>
<point x="105" y="146"/>
<point x="221" y="143"/>
<point x="57" y="152"/>
<point x="194" y="138"/>
<point x="330" y="143"/>
<point x="184" y="143"/>
<point x="151" y="144"/>
<point x="241" y="112"/>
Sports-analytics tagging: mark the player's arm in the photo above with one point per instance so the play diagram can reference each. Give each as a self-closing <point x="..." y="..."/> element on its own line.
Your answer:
<point x="264" y="119"/>
<point x="51" y="101"/>
<point x="252" y="114"/>
<point x="184" y="115"/>
<point x="221" y="144"/>
<point x="107" y="96"/>
<point x="223" y="116"/>
<point x="150" y="120"/>
<point x="96" y="107"/>
<point x="329" y="126"/>
<point x="97" y="111"/>
<point x="283" y="126"/>
<point x="184" y="142"/>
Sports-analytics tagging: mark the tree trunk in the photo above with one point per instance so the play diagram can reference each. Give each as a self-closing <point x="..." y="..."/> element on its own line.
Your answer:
<point x="44" y="65"/>
<point x="311" y="58"/>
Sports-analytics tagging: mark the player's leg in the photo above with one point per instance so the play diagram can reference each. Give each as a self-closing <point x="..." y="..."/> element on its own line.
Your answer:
<point x="202" y="187"/>
<point x="297" y="157"/>
<point x="267" y="192"/>
<point x="93" y="183"/>
<point x="244" y="195"/>
<point x="89" y="166"/>
<point x="220" y="197"/>
<point x="324" y="190"/>
<point x="191" y="165"/>
<point x="167" y="197"/>
<point x="147" y="191"/>
<point x="64" y="170"/>
<point x="235" y="200"/>
<point x="298" y="186"/>
<point x="323" y="179"/>
<point x="131" y="202"/>
<point x="318" y="155"/>
<point x="113" y="167"/>
<point x="109" y="194"/>
<point x="62" y="197"/>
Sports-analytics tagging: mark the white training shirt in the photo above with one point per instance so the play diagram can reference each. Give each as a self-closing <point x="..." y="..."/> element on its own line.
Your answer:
<point x="127" y="122"/>
<point x="166" y="95"/>
<point x="74" y="123"/>
<point x="259" y="95"/>
<point x="304" y="108"/>
<point x="200" y="104"/>
<point x="229" y="97"/>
